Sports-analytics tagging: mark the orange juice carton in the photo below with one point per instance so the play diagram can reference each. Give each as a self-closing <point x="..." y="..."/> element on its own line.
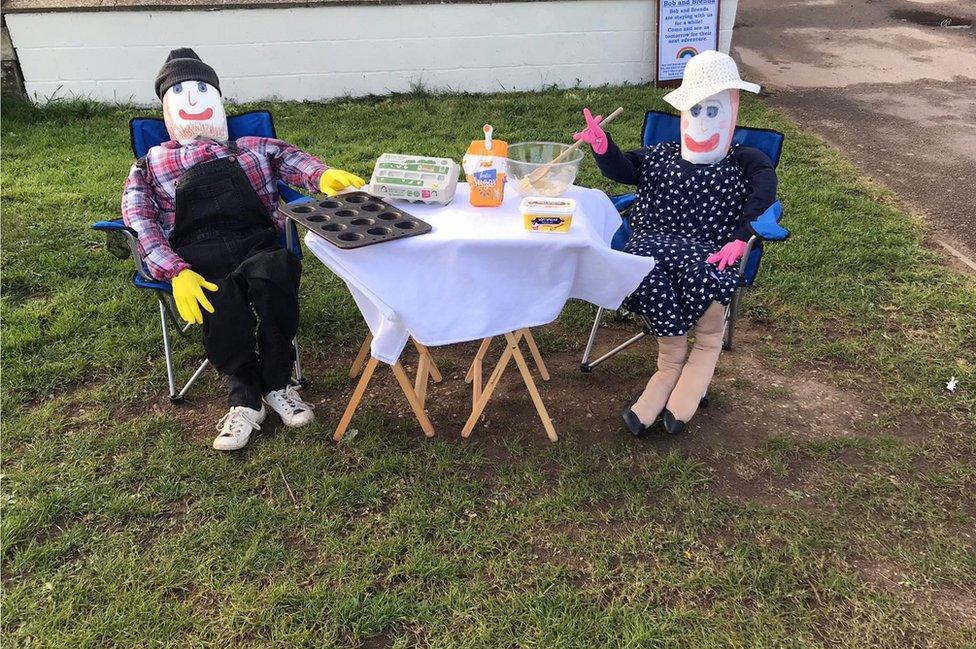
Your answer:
<point x="542" y="214"/>
<point x="484" y="167"/>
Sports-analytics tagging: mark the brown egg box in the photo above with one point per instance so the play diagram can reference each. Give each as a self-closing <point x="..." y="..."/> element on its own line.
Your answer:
<point x="355" y="220"/>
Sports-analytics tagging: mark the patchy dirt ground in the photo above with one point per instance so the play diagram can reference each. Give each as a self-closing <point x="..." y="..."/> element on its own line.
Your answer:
<point x="738" y="439"/>
<point x="749" y="402"/>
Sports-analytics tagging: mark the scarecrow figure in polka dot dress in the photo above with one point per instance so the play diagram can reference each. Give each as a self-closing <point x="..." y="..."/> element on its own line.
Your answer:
<point x="694" y="202"/>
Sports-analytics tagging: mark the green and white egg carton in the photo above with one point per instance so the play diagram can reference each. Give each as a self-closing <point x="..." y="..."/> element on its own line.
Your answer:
<point x="418" y="179"/>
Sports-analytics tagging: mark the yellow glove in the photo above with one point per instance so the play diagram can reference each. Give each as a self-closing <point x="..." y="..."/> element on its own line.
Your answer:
<point x="189" y="297"/>
<point x="335" y="180"/>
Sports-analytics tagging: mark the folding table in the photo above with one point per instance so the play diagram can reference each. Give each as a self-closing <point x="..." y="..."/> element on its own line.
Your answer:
<point x="477" y="275"/>
<point x="416" y="395"/>
<point x="480" y="397"/>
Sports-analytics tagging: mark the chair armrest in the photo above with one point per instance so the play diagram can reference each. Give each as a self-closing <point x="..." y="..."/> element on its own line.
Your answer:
<point x="288" y="193"/>
<point x="753" y="240"/>
<point x="141" y="281"/>
<point x="767" y="225"/>
<point x="291" y="241"/>
<point x="623" y="202"/>
<point x="118" y="227"/>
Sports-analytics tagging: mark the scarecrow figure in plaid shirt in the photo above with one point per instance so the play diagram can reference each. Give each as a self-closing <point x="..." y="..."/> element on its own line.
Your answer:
<point x="204" y="210"/>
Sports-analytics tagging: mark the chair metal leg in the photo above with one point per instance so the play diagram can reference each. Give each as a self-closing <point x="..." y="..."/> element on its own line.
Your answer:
<point x="193" y="379"/>
<point x="299" y="378"/>
<point x="616" y="350"/>
<point x="174" y="395"/>
<point x="585" y="363"/>
<point x="731" y="315"/>
<point x="169" y="306"/>
<point x="168" y="353"/>
<point x="178" y="396"/>
<point x="729" y="327"/>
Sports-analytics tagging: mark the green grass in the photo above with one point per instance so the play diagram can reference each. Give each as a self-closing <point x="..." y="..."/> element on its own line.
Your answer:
<point x="119" y="530"/>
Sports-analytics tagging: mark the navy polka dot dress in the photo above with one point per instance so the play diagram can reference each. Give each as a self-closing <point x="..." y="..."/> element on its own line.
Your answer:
<point x="682" y="214"/>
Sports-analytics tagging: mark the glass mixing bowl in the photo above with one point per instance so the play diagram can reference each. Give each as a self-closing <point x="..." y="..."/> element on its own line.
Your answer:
<point x="525" y="159"/>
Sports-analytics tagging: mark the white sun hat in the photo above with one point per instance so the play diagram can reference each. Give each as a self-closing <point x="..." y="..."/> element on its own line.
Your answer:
<point x="706" y="74"/>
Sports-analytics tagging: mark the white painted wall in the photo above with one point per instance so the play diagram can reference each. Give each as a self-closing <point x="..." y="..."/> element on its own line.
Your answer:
<point x="330" y="51"/>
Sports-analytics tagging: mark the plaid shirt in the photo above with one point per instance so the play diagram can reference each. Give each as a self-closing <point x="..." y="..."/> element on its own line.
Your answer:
<point x="149" y="197"/>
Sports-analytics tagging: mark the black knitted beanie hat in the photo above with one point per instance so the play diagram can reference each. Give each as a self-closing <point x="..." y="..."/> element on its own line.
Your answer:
<point x="181" y="65"/>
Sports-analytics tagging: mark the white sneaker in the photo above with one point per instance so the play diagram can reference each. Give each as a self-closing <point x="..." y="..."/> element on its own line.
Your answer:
<point x="236" y="427"/>
<point x="286" y="402"/>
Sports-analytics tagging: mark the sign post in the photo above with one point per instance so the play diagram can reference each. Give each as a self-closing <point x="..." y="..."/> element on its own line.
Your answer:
<point x="684" y="28"/>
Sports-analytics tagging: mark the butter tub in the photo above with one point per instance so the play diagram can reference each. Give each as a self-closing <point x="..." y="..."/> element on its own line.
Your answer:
<point x="542" y="214"/>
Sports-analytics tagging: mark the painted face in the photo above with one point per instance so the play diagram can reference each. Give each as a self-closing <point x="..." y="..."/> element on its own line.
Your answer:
<point x="194" y="109"/>
<point x="707" y="127"/>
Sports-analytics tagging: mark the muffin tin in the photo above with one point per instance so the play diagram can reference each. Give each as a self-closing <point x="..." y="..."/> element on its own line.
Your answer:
<point x="355" y="220"/>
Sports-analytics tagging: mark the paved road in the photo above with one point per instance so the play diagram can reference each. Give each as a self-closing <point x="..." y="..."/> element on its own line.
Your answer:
<point x="890" y="82"/>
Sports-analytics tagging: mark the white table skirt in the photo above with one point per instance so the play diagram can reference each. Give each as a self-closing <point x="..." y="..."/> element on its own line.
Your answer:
<point x="479" y="273"/>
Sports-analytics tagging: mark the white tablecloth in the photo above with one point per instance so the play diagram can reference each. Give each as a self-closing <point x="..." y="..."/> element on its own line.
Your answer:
<point x="479" y="273"/>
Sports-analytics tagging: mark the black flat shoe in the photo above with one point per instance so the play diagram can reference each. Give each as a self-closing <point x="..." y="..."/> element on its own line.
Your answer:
<point x="633" y="423"/>
<point x="671" y="425"/>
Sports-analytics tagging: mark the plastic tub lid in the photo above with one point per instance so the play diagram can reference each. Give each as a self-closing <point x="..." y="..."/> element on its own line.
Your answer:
<point x="548" y="206"/>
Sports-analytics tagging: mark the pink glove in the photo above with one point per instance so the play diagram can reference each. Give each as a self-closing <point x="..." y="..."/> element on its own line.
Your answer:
<point x="593" y="134"/>
<point x="728" y="255"/>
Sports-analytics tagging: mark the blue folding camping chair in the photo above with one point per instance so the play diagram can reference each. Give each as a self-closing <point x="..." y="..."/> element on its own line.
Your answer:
<point x="664" y="127"/>
<point x="147" y="132"/>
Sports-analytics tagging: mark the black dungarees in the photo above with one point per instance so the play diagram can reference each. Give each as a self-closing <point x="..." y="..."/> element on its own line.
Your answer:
<point x="224" y="232"/>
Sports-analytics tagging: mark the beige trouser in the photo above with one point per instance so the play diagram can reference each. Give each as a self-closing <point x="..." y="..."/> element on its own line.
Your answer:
<point x="700" y="366"/>
<point x="682" y="379"/>
<point x="671" y="354"/>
